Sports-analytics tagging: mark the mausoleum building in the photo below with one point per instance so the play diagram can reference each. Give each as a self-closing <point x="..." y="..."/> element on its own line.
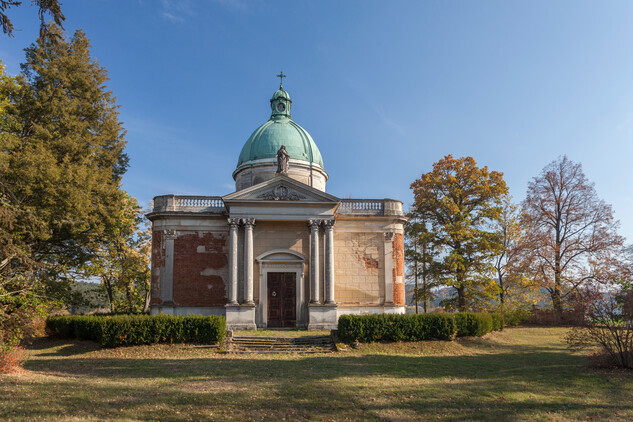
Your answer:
<point x="279" y="251"/>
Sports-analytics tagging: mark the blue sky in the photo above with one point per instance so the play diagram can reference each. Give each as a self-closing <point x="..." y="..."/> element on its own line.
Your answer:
<point x="384" y="88"/>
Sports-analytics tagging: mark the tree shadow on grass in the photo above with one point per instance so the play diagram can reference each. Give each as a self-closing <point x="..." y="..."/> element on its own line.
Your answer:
<point x="506" y="386"/>
<point x="55" y="346"/>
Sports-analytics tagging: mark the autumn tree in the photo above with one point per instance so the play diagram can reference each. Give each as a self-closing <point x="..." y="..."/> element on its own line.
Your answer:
<point x="418" y="254"/>
<point x="122" y="261"/>
<point x="61" y="163"/>
<point x="462" y="204"/>
<point x="44" y="8"/>
<point x="571" y="232"/>
<point x="514" y="288"/>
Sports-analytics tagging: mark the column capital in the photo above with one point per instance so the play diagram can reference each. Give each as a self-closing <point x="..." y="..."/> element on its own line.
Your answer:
<point x="233" y="222"/>
<point x="248" y="222"/>
<point x="328" y="224"/>
<point x="314" y="224"/>
<point x="388" y="236"/>
<point x="170" y="234"/>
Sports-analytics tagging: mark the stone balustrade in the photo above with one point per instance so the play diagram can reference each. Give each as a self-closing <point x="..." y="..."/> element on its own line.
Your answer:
<point x="370" y="207"/>
<point x="182" y="203"/>
<point x="214" y="204"/>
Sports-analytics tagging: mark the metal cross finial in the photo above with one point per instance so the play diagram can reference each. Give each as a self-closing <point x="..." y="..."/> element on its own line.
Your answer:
<point x="281" y="77"/>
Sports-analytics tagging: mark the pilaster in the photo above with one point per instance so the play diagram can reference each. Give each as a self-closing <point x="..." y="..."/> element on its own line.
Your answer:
<point x="233" y="228"/>
<point x="329" y="261"/>
<point x="388" y="268"/>
<point x="314" y="261"/>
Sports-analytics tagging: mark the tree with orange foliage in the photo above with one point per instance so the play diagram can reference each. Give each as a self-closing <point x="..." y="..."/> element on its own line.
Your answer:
<point x="571" y="233"/>
<point x="462" y="204"/>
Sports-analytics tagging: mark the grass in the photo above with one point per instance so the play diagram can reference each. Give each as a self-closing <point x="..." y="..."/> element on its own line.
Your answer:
<point x="518" y="374"/>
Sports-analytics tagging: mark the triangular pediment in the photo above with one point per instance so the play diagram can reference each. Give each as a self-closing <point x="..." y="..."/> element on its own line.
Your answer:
<point x="280" y="188"/>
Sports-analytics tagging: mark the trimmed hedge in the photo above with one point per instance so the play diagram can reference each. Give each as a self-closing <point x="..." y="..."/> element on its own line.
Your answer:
<point x="470" y="324"/>
<point x="390" y="327"/>
<point x="498" y="321"/>
<point x="130" y="330"/>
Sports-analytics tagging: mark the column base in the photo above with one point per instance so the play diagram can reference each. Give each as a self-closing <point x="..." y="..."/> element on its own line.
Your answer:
<point x="322" y="317"/>
<point x="240" y="317"/>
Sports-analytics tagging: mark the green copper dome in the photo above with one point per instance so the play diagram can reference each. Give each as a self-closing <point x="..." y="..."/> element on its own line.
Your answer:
<point x="280" y="130"/>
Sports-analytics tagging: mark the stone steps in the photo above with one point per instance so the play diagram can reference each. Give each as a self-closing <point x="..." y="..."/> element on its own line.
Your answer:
<point x="255" y="344"/>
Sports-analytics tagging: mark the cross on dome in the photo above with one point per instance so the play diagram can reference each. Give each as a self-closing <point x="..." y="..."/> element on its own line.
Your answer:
<point x="281" y="77"/>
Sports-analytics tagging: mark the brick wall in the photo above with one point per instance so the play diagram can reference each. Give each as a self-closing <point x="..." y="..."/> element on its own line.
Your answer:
<point x="201" y="269"/>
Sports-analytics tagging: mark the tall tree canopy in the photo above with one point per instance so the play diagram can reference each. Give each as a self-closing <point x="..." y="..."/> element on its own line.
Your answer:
<point x="462" y="204"/>
<point x="44" y="8"/>
<point x="61" y="162"/>
<point x="571" y="232"/>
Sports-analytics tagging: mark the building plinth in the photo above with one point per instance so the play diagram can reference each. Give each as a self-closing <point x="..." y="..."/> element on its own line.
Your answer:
<point x="322" y="317"/>
<point x="240" y="317"/>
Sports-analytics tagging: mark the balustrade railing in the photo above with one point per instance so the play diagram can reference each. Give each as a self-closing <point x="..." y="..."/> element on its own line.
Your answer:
<point x="214" y="204"/>
<point x="362" y="206"/>
<point x="188" y="203"/>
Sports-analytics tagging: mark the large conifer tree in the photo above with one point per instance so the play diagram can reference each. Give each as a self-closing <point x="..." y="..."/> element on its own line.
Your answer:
<point x="62" y="158"/>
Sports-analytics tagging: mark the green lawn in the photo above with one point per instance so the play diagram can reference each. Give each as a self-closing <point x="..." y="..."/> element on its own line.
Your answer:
<point x="518" y="374"/>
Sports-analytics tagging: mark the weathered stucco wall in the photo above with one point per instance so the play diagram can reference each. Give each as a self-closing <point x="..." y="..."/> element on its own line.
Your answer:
<point x="359" y="267"/>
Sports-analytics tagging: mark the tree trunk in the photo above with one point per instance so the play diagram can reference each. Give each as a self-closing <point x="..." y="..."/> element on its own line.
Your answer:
<point x="108" y="286"/>
<point x="461" y="299"/>
<point x="415" y="248"/>
<point x="424" y="275"/>
<point x="557" y="301"/>
<point x="147" y="301"/>
<point x="501" y="293"/>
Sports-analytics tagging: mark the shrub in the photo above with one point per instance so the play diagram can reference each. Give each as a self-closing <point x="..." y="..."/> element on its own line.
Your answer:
<point x="129" y="330"/>
<point x="62" y="325"/>
<point x="610" y="327"/>
<point x="11" y="358"/>
<point x="514" y="317"/>
<point x="470" y="324"/>
<point x="497" y="322"/>
<point x="386" y="327"/>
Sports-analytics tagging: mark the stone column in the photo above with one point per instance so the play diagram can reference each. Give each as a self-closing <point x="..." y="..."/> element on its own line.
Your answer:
<point x="167" y="279"/>
<point x="388" y="268"/>
<point x="329" y="262"/>
<point x="314" y="260"/>
<point x="248" y="260"/>
<point x="233" y="228"/>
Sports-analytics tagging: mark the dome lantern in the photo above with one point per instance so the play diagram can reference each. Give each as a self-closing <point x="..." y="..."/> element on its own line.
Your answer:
<point x="280" y="103"/>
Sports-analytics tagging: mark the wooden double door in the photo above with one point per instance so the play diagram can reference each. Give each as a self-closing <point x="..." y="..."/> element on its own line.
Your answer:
<point x="282" y="300"/>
